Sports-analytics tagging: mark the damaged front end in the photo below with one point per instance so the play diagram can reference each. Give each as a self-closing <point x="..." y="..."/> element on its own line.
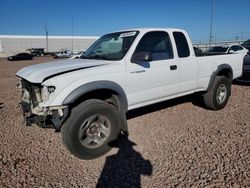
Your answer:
<point x="33" y="113"/>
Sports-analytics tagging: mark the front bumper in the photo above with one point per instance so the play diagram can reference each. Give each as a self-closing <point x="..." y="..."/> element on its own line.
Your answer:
<point x="30" y="118"/>
<point x="52" y="117"/>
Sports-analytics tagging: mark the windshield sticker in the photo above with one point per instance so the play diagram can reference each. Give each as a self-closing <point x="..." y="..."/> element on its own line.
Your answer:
<point x="128" y="34"/>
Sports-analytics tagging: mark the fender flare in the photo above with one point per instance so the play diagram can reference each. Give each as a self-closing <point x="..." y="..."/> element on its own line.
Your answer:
<point x="96" y="85"/>
<point x="215" y="73"/>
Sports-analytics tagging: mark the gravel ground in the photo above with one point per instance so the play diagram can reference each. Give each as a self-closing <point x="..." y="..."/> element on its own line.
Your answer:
<point x="177" y="143"/>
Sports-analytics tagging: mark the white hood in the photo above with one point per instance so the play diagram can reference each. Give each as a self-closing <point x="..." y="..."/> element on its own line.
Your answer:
<point x="38" y="73"/>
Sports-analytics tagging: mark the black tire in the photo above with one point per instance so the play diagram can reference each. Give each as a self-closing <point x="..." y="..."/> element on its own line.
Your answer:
<point x="215" y="98"/>
<point x="74" y="129"/>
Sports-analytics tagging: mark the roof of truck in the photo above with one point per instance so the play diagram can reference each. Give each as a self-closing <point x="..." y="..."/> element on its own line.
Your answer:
<point x="152" y="29"/>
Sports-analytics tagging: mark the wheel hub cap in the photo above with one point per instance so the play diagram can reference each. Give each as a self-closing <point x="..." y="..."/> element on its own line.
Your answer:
<point x="221" y="93"/>
<point x="95" y="131"/>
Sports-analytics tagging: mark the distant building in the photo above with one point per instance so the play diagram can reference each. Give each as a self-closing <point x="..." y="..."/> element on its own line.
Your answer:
<point x="11" y="44"/>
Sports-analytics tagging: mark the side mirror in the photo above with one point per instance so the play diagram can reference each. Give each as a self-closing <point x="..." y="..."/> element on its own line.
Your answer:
<point x="231" y="51"/>
<point x="142" y="57"/>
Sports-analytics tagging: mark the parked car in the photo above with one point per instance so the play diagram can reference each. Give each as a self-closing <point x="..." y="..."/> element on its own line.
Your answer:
<point x="88" y="98"/>
<point x="78" y="55"/>
<point x="246" y="70"/>
<point x="198" y="51"/>
<point x="20" y="56"/>
<point x="246" y="44"/>
<point x="36" y="51"/>
<point x="232" y="49"/>
<point x="63" y="54"/>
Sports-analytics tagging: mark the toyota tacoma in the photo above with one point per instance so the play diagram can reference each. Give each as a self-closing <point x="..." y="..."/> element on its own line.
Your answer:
<point x="87" y="99"/>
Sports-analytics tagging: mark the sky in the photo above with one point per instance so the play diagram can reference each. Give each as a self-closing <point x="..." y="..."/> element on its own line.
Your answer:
<point x="95" y="18"/>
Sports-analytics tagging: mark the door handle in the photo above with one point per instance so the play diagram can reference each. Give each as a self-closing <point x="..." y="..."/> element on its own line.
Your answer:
<point x="173" y="67"/>
<point x="139" y="71"/>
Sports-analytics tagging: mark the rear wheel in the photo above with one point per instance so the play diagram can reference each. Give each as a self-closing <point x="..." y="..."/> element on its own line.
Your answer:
<point x="217" y="96"/>
<point x="91" y="126"/>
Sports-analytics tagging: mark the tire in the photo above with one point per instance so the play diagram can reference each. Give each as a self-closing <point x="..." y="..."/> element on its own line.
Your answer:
<point x="217" y="96"/>
<point x="91" y="126"/>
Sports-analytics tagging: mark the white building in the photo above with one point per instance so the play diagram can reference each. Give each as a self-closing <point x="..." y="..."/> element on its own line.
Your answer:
<point x="12" y="44"/>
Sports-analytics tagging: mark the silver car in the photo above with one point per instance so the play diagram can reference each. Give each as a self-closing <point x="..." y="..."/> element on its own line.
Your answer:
<point x="63" y="54"/>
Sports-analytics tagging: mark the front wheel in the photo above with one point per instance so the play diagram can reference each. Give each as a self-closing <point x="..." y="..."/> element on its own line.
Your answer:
<point x="92" y="125"/>
<point x="217" y="96"/>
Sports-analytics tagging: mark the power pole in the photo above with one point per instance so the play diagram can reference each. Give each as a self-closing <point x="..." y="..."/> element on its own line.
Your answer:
<point x="72" y="33"/>
<point x="211" y="24"/>
<point x="47" y="41"/>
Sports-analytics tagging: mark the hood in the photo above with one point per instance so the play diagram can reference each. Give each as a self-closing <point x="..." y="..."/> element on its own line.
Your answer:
<point x="38" y="73"/>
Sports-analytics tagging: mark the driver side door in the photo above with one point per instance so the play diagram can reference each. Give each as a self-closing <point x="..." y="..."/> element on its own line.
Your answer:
<point x="152" y="81"/>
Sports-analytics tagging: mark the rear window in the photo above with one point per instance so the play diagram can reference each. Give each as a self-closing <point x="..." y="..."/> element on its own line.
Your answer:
<point x="181" y="44"/>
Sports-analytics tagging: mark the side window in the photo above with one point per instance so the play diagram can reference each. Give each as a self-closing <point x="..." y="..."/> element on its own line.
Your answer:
<point x="239" y="48"/>
<point x="158" y="43"/>
<point x="181" y="44"/>
<point x="233" y="48"/>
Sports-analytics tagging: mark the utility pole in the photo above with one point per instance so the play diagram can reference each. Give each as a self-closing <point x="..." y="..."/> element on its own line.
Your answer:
<point x="211" y="24"/>
<point x="47" y="41"/>
<point x="72" y="33"/>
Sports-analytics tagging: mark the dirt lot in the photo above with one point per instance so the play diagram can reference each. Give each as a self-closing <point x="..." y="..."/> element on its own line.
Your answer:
<point x="175" y="143"/>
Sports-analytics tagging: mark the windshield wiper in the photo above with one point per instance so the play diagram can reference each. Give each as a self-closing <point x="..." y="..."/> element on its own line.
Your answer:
<point x="84" y="57"/>
<point x="94" y="57"/>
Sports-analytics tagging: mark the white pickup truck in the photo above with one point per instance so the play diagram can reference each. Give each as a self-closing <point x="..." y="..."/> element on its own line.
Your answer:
<point x="87" y="99"/>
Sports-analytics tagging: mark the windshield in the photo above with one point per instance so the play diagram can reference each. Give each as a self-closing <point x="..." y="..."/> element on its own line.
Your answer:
<point x="112" y="46"/>
<point x="218" y="49"/>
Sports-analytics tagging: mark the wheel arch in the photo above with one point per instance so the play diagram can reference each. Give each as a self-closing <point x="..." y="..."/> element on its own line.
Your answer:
<point x="222" y="70"/>
<point x="99" y="89"/>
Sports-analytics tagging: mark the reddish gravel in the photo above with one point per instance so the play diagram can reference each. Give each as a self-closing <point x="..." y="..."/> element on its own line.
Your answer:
<point x="178" y="143"/>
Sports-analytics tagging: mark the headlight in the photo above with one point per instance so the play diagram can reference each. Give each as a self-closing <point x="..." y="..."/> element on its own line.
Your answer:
<point x="46" y="91"/>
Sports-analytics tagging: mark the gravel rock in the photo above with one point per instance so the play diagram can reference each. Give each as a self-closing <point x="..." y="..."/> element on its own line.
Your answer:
<point x="178" y="143"/>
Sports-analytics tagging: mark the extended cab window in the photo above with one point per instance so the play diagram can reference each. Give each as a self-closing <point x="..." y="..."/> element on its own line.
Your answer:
<point x="158" y="43"/>
<point x="181" y="44"/>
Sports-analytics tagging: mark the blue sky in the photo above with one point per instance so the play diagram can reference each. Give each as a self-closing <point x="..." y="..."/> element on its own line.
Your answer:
<point x="94" y="18"/>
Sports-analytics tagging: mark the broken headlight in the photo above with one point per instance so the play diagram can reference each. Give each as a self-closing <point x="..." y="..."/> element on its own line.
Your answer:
<point x="46" y="91"/>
